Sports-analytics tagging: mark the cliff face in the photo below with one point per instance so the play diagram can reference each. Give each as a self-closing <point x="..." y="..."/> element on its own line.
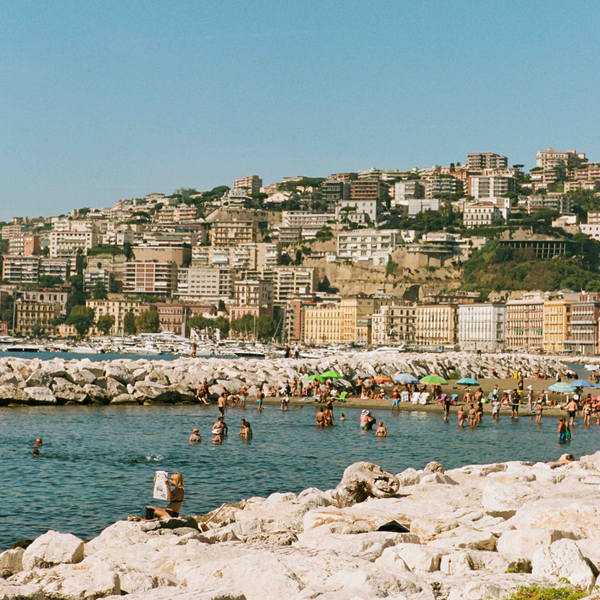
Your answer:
<point x="480" y="531"/>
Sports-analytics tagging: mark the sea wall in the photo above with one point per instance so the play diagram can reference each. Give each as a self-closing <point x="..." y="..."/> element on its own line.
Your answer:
<point x="476" y="532"/>
<point x="125" y="381"/>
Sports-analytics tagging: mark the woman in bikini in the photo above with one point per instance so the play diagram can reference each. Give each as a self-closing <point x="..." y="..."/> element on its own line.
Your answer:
<point x="175" y="497"/>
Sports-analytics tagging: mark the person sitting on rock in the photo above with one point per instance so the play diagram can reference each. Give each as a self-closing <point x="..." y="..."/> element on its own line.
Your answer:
<point x="565" y="459"/>
<point x="175" y="497"/>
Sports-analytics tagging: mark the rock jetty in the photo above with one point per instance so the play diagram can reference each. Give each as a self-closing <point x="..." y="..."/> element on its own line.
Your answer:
<point x="125" y="381"/>
<point x="476" y="532"/>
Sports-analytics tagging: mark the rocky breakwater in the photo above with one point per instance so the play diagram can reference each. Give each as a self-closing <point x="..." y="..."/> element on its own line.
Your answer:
<point x="477" y="532"/>
<point x="124" y="381"/>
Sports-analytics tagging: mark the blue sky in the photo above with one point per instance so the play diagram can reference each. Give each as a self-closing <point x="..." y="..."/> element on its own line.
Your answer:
<point x="112" y="99"/>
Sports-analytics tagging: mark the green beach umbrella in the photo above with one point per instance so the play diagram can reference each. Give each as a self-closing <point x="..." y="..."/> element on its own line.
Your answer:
<point x="331" y="375"/>
<point x="317" y="377"/>
<point x="434" y="379"/>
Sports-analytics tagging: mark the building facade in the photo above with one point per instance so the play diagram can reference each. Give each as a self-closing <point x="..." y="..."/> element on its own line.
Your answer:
<point x="557" y="325"/>
<point x="394" y="323"/>
<point x="525" y="323"/>
<point x="322" y="324"/>
<point x="436" y="325"/>
<point x="155" y="278"/>
<point x="117" y="307"/>
<point x="199" y="283"/>
<point x="368" y="244"/>
<point x="481" y="327"/>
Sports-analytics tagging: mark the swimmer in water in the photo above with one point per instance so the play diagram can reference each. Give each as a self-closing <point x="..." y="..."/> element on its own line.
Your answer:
<point x="195" y="437"/>
<point x="246" y="430"/>
<point x="472" y="416"/>
<point x="219" y="429"/>
<point x="342" y="417"/>
<point x="381" y="430"/>
<point x="462" y="415"/>
<point x="36" y="453"/>
<point x="38" y="442"/>
<point x="320" y="418"/>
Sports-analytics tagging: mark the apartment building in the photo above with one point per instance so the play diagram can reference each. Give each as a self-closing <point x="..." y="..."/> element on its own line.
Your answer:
<point x="410" y="189"/>
<point x="172" y="318"/>
<point x="252" y="297"/>
<point x="436" y="325"/>
<point x="11" y="231"/>
<point x="205" y="282"/>
<point x="490" y="186"/>
<point x="355" y="314"/>
<point x="359" y="210"/>
<point x="117" y="307"/>
<point x="251" y="184"/>
<point x="178" y="254"/>
<point x="176" y="214"/>
<point x="291" y="282"/>
<point x="416" y="206"/>
<point x="486" y="160"/>
<point x="368" y="244"/>
<point x="394" y="323"/>
<point x="230" y="228"/>
<point x="91" y="278"/>
<point x="26" y="244"/>
<point x="155" y="278"/>
<point x="481" y="327"/>
<point x="70" y="242"/>
<point x="551" y="158"/>
<point x="294" y="319"/>
<point x="367" y="189"/>
<point x="305" y="219"/>
<point x="525" y="322"/>
<point x="21" y="269"/>
<point x="585" y="314"/>
<point x="334" y="190"/>
<point x="442" y="185"/>
<point x="322" y="324"/>
<point x="481" y="214"/>
<point x="32" y="314"/>
<point x="558" y="202"/>
<point x="557" y="325"/>
<point x="587" y="172"/>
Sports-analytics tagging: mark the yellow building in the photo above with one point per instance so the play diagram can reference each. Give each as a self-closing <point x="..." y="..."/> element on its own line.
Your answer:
<point x="436" y="325"/>
<point x="30" y="315"/>
<point x="557" y="325"/>
<point x="118" y="307"/>
<point x="322" y="324"/>
<point x="354" y="310"/>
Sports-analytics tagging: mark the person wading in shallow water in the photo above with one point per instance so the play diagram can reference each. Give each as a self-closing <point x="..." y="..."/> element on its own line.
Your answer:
<point x="175" y="497"/>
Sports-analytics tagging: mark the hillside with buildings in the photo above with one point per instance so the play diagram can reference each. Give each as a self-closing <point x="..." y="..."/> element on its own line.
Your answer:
<point x="482" y="255"/>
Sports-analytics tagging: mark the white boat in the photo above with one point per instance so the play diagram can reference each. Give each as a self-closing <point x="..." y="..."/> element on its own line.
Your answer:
<point x="23" y="348"/>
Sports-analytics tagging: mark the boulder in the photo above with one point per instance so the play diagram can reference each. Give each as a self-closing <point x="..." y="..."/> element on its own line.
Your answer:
<point x="456" y="563"/>
<point x="563" y="559"/>
<point x="40" y="395"/>
<point x="364" y="480"/>
<point x="11" y="562"/>
<point x="409" y="477"/>
<point x="10" y="394"/>
<point x="92" y="580"/>
<point x="155" y="392"/>
<point x="68" y="392"/>
<point x="53" y="548"/>
<point x="124" y="399"/>
<point x="172" y="593"/>
<point x="97" y="394"/>
<point x="419" y="559"/>
<point x="39" y="378"/>
<point x="55" y="367"/>
<point x="119" y="372"/>
<point x="28" y="591"/>
<point x="114" y="387"/>
<point x="82" y="376"/>
<point x="522" y="543"/>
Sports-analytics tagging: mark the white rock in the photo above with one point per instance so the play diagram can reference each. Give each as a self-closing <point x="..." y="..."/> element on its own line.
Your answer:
<point x="563" y="559"/>
<point x="522" y="543"/>
<point x="43" y="395"/>
<point x="437" y="478"/>
<point x="456" y="563"/>
<point x="82" y="581"/>
<point x="11" y="561"/>
<point x="419" y="559"/>
<point x="53" y="548"/>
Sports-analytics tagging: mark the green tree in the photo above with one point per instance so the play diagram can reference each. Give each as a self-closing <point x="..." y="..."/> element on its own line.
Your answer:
<point x="99" y="291"/>
<point x="105" y="323"/>
<point x="222" y="324"/>
<point x="37" y="331"/>
<point x="77" y="296"/>
<point x="147" y="322"/>
<point x="49" y="281"/>
<point x="129" y="324"/>
<point x="266" y="326"/>
<point x="201" y="324"/>
<point x="82" y="318"/>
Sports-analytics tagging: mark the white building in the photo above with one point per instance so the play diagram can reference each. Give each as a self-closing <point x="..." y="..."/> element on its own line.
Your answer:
<point x="482" y="327"/>
<point x="490" y="186"/>
<point x="155" y="278"/>
<point x="68" y="243"/>
<point x="416" y="206"/>
<point x="592" y="230"/>
<point x="291" y="282"/>
<point x="368" y="244"/>
<point x="199" y="283"/>
<point x="481" y="214"/>
<point x="368" y="210"/>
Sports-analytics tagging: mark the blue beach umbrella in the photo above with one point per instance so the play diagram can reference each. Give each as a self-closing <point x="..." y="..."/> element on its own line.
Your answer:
<point x="405" y="378"/>
<point x="563" y="388"/>
<point x="581" y="383"/>
<point x="467" y="381"/>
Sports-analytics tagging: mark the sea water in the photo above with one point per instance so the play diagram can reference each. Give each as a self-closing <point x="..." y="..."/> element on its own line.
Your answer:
<point x="85" y="478"/>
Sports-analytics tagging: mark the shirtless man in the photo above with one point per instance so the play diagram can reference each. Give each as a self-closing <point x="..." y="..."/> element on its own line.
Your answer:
<point x="285" y="402"/>
<point x="359" y="386"/>
<point x="242" y="394"/>
<point x="381" y="430"/>
<point x="572" y="410"/>
<point x="219" y="429"/>
<point x="462" y="415"/>
<point x="222" y="403"/>
<point x="562" y="429"/>
<point x="245" y="431"/>
<point x="259" y="399"/>
<point x="195" y="437"/>
<point x="320" y="418"/>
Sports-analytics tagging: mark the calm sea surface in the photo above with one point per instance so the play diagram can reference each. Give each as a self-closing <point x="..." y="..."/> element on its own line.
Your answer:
<point x="85" y="478"/>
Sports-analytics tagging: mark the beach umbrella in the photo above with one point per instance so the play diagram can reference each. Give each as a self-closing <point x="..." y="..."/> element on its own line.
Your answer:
<point x="405" y="378"/>
<point x="467" y="381"/>
<point x="434" y="379"/>
<point x="317" y="377"/>
<point x="383" y="379"/>
<point x="562" y="388"/>
<point x="331" y="375"/>
<point x="581" y="383"/>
